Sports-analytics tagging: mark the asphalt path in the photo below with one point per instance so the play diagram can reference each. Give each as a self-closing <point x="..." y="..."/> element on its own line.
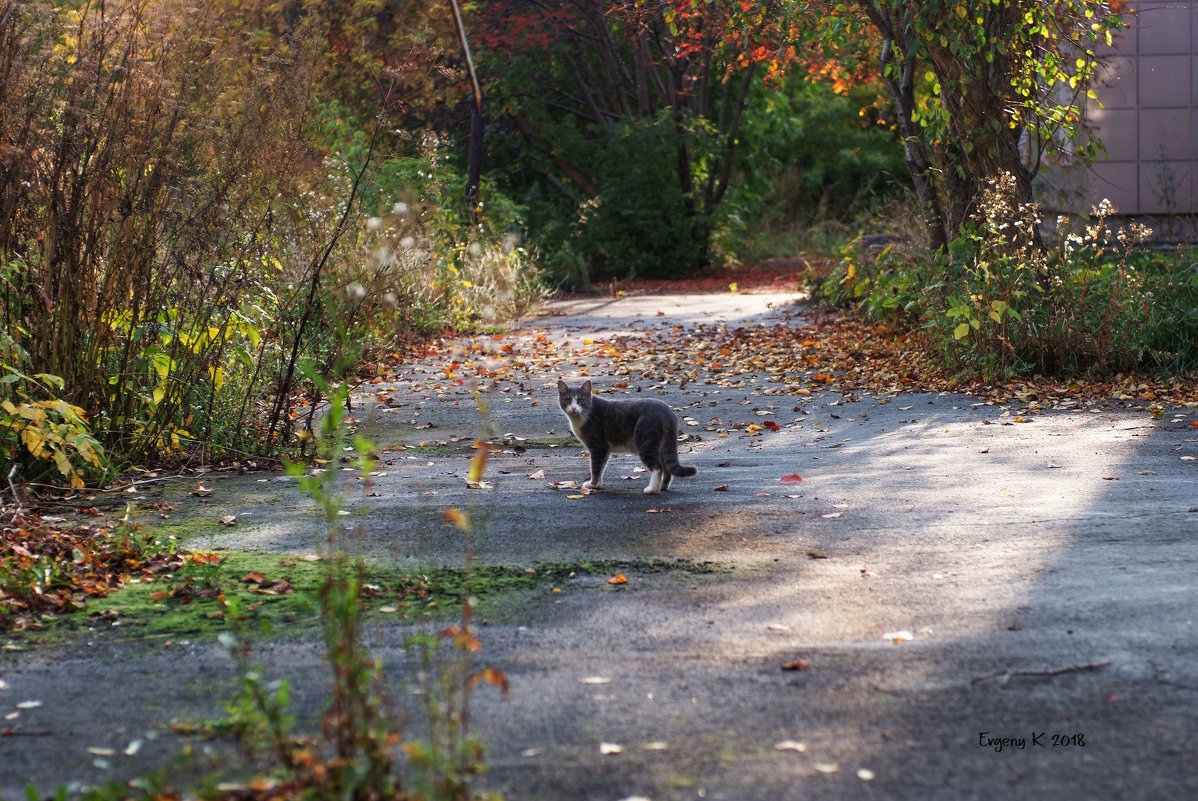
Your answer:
<point x="959" y="600"/>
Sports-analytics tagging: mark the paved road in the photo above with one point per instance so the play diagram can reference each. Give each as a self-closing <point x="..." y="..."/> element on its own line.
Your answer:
<point x="974" y="601"/>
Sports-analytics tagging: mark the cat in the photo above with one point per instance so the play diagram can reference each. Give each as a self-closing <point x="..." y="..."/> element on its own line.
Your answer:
<point x="646" y="427"/>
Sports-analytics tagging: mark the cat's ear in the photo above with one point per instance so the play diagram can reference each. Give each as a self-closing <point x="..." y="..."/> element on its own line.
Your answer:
<point x="562" y="389"/>
<point x="586" y="387"/>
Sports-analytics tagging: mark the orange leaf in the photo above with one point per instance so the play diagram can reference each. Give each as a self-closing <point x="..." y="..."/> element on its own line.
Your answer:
<point x="254" y="578"/>
<point x="793" y="478"/>
<point x="490" y="676"/>
<point x="619" y="578"/>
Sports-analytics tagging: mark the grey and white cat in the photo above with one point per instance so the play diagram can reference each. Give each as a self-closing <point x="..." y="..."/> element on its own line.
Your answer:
<point x="646" y="427"/>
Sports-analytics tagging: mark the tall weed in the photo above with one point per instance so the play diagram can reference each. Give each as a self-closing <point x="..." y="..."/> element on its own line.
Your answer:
<point x="362" y="753"/>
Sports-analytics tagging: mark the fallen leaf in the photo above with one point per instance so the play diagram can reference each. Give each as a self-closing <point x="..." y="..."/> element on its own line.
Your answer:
<point x="832" y="514"/>
<point x="619" y="578"/>
<point x="720" y="488"/>
<point x="790" y="745"/>
<point x="865" y="774"/>
<point x="610" y="748"/>
<point x="201" y="490"/>
<point x="898" y="636"/>
<point x="792" y="478"/>
<point x="826" y="767"/>
<point x="595" y="680"/>
<point x="797" y="664"/>
<point x="92" y="749"/>
<point x="771" y="425"/>
<point x="538" y="474"/>
<point x="816" y="555"/>
<point x="229" y="520"/>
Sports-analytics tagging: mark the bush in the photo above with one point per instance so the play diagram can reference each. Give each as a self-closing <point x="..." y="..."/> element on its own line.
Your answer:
<point x="1094" y="302"/>
<point x="170" y="250"/>
<point x="637" y="225"/>
<point x="815" y="163"/>
<point x="141" y="214"/>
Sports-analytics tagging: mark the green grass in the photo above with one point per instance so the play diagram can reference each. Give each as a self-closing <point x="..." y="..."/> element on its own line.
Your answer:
<point x="187" y="604"/>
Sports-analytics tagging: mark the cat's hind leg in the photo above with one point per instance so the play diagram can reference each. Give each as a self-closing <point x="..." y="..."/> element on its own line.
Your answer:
<point x="655" y="481"/>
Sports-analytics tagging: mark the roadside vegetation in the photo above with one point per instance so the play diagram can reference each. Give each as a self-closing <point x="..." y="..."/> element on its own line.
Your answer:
<point x="215" y="220"/>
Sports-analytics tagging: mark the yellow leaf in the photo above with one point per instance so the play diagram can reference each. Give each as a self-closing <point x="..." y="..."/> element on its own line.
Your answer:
<point x="34" y="440"/>
<point x="458" y="518"/>
<point x="479" y="463"/>
<point x="732" y="287"/>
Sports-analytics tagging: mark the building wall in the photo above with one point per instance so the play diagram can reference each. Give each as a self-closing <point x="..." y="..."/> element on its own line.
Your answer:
<point x="1148" y="121"/>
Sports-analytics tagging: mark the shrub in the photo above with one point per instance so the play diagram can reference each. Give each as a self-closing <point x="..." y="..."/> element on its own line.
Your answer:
<point x="141" y="198"/>
<point x="35" y="422"/>
<point x="999" y="302"/>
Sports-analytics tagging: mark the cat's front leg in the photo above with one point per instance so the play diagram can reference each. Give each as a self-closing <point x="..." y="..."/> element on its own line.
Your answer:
<point x="598" y="463"/>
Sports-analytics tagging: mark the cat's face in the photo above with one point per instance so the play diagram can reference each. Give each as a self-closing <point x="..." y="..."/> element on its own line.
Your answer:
<point x="574" y="402"/>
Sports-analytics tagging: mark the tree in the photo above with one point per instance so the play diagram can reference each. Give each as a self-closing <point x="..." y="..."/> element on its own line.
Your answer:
<point x="613" y="98"/>
<point x="984" y="87"/>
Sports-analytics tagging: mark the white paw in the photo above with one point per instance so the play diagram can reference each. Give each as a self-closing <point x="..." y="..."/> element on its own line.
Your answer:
<point x="651" y="490"/>
<point x="588" y="485"/>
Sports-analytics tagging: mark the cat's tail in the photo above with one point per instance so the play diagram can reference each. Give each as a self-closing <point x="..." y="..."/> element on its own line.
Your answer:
<point x="681" y="470"/>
